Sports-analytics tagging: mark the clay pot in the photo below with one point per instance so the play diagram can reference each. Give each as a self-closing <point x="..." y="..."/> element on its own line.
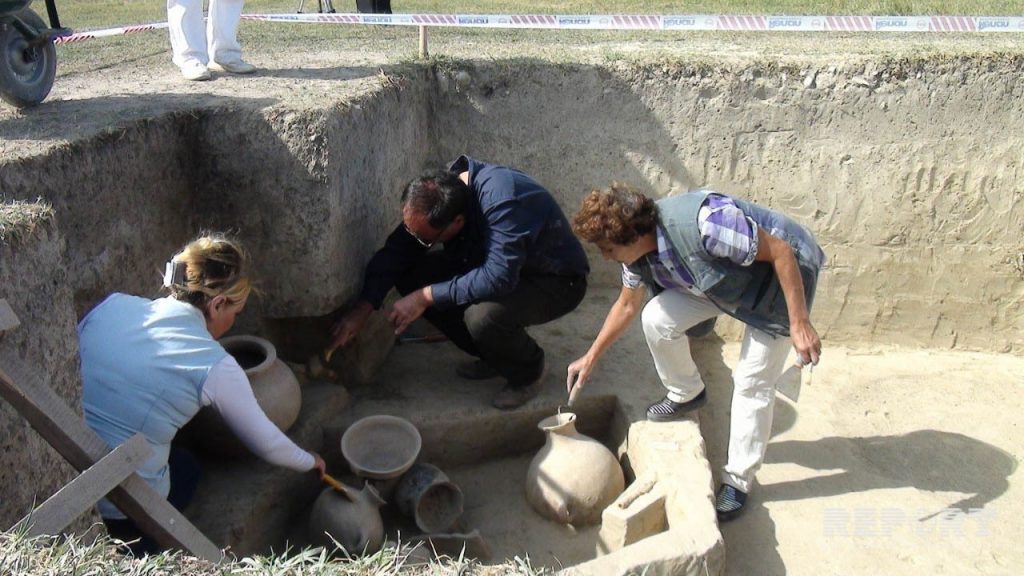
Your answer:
<point x="273" y="384"/>
<point x="349" y="517"/>
<point x="381" y="447"/>
<point x="573" y="477"/>
<point x="425" y="494"/>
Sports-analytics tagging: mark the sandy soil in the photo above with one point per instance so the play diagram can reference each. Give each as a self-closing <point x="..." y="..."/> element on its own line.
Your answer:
<point x="894" y="461"/>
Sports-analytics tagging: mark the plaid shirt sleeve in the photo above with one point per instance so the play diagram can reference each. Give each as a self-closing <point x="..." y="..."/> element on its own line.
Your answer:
<point x="630" y="279"/>
<point x="726" y="231"/>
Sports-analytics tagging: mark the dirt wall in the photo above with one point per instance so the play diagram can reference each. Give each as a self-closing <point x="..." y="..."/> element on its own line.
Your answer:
<point x="309" y="192"/>
<point x="910" y="173"/>
<point x="39" y="290"/>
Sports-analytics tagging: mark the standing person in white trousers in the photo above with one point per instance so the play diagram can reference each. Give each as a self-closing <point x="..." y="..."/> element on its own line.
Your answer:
<point x="703" y="254"/>
<point x="199" y="48"/>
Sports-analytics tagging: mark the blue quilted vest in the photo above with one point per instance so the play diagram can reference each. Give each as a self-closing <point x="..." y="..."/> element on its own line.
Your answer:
<point x="751" y="294"/>
<point x="144" y="363"/>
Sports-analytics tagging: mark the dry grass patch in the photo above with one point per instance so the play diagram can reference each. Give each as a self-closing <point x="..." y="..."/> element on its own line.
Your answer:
<point x="18" y="219"/>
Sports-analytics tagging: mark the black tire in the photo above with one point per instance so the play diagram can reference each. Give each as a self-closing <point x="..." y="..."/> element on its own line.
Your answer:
<point x="26" y="73"/>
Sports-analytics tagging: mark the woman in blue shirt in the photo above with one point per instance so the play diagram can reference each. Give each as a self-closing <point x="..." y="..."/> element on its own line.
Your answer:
<point x="148" y="366"/>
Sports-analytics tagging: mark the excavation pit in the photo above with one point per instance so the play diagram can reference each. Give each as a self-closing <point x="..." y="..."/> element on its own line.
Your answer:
<point x="881" y="159"/>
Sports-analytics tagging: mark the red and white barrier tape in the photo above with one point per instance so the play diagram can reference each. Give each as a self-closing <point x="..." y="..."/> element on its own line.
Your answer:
<point x="631" y="22"/>
<point x="122" y="31"/>
<point x="653" y="22"/>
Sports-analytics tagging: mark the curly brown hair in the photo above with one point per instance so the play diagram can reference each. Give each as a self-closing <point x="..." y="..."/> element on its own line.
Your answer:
<point x="618" y="215"/>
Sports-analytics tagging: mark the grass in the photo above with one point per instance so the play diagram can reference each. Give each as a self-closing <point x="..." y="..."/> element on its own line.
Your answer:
<point x="20" y="554"/>
<point x="400" y="42"/>
<point x="18" y="219"/>
<point x="90" y="14"/>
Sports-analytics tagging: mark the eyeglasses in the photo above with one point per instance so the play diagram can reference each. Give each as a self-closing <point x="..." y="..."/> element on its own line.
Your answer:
<point x="422" y="242"/>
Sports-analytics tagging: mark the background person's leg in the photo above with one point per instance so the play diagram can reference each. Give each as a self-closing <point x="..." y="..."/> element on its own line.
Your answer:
<point x="222" y="30"/>
<point x="762" y="359"/>
<point x="185" y="24"/>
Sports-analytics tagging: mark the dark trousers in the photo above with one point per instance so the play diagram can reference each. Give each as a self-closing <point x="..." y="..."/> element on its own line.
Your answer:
<point x="496" y="331"/>
<point x="185" y="473"/>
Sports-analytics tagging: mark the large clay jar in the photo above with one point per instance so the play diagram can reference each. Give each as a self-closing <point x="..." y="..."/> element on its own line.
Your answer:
<point x="273" y="384"/>
<point x="573" y="477"/>
<point x="348" y="517"/>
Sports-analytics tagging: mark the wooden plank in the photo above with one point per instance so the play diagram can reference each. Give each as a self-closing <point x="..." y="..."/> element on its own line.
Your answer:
<point x="79" y="445"/>
<point x="8" y="319"/>
<point x="80" y="494"/>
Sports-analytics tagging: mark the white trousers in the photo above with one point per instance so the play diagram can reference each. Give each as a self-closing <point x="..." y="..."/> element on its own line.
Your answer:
<point x="762" y="358"/>
<point x="191" y="41"/>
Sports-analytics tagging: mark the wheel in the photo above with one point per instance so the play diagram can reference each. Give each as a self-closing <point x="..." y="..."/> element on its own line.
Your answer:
<point x="26" y="72"/>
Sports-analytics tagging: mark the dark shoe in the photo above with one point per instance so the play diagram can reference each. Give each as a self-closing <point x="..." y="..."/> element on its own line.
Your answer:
<point x="514" y="396"/>
<point x="511" y="397"/>
<point x="702" y="329"/>
<point x="729" y="502"/>
<point x="476" y="370"/>
<point x="666" y="410"/>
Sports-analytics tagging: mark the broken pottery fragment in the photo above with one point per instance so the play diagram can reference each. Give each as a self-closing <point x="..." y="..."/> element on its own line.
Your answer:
<point x="573" y="477"/>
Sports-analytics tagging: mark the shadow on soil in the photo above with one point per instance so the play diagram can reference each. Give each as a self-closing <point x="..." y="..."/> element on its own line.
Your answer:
<point x="926" y="460"/>
<point x="922" y="459"/>
<point x="70" y="119"/>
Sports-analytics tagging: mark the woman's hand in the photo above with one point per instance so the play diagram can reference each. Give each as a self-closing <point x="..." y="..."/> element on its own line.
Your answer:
<point x="577" y="376"/>
<point x="806" y="342"/>
<point x="319" y="465"/>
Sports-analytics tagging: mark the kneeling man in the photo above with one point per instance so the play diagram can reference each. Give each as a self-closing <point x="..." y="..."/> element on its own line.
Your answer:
<point x="509" y="260"/>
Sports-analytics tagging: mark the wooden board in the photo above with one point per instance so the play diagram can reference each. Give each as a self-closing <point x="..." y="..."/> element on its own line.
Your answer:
<point x="80" y="494"/>
<point x="79" y="445"/>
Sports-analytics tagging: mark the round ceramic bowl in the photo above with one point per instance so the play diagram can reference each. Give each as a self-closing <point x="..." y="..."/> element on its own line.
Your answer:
<point x="381" y="447"/>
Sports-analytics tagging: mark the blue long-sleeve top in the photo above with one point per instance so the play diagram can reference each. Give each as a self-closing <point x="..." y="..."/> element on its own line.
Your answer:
<point x="514" y="227"/>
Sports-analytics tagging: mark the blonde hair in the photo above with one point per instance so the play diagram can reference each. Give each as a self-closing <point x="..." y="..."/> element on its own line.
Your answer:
<point x="214" y="265"/>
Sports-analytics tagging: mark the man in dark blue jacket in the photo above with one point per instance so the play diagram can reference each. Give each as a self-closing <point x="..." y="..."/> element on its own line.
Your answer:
<point x="509" y="260"/>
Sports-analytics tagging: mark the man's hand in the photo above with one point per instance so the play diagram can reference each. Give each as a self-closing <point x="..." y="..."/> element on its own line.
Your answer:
<point x="806" y="342"/>
<point x="348" y="327"/>
<point x="409" y="308"/>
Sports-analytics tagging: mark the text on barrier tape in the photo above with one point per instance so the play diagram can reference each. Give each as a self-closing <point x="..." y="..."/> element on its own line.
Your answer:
<point x="630" y="22"/>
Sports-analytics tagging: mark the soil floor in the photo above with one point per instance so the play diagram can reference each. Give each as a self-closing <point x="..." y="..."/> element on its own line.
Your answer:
<point x="894" y="461"/>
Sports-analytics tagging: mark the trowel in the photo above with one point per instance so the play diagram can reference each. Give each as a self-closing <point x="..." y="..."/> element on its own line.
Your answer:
<point x="574" y="392"/>
<point x="318" y="365"/>
<point x="334" y="483"/>
<point x="791" y="379"/>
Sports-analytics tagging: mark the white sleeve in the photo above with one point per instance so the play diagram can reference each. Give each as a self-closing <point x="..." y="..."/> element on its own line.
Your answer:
<point x="227" y="389"/>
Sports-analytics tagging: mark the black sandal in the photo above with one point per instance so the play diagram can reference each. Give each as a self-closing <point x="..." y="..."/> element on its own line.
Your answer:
<point x="667" y="410"/>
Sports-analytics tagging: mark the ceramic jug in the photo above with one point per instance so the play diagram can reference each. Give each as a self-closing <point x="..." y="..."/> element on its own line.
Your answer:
<point x="350" y="517"/>
<point x="573" y="477"/>
<point x="273" y="384"/>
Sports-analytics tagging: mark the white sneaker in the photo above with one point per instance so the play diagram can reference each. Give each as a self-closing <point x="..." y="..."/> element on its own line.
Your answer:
<point x="195" y="70"/>
<point x="237" y="67"/>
